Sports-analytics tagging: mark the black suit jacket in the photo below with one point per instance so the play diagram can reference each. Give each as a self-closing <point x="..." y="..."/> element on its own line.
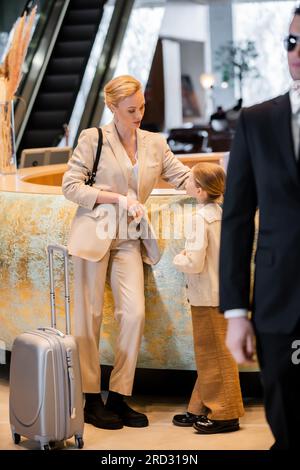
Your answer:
<point x="263" y="174"/>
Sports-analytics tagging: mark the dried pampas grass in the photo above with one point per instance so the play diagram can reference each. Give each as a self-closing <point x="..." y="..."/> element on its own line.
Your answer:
<point x="10" y="78"/>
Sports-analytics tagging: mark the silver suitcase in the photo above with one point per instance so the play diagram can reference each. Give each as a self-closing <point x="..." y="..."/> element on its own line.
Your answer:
<point x="46" y="400"/>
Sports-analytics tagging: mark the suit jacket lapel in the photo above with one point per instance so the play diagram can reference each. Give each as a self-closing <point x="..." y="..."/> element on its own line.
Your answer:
<point x="282" y="118"/>
<point x="116" y="146"/>
<point x="118" y="150"/>
<point x="141" y="149"/>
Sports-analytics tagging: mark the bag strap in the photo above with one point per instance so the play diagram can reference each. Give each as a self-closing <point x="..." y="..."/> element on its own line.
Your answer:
<point x="91" y="176"/>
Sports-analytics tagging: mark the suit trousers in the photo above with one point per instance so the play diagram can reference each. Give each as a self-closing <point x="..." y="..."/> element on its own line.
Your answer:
<point x="122" y="266"/>
<point x="279" y="359"/>
<point x="217" y="392"/>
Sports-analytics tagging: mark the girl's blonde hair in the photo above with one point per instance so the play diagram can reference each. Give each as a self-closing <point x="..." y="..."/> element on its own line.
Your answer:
<point x="210" y="177"/>
<point x="119" y="88"/>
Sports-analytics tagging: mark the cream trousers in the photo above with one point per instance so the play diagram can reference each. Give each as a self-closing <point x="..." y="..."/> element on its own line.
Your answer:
<point x="122" y="266"/>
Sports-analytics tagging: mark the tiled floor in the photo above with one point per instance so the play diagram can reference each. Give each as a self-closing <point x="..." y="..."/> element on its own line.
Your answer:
<point x="161" y="434"/>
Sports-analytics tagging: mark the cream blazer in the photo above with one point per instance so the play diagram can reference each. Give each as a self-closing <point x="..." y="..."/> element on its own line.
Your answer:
<point x="200" y="259"/>
<point x="155" y="160"/>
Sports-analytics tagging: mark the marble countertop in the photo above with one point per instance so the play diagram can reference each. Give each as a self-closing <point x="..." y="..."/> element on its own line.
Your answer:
<point x="18" y="183"/>
<point x="22" y="181"/>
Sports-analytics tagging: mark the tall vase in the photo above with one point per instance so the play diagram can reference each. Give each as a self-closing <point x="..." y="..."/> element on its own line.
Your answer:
<point x="8" y="160"/>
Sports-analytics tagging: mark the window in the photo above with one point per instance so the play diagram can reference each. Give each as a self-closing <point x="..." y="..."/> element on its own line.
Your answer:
<point x="267" y="24"/>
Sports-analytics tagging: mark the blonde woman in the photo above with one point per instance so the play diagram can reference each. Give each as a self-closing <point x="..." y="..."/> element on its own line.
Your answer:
<point x="216" y="402"/>
<point x="131" y="162"/>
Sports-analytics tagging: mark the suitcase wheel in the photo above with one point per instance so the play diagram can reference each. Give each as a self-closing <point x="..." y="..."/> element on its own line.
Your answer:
<point x="79" y="442"/>
<point x="16" y="438"/>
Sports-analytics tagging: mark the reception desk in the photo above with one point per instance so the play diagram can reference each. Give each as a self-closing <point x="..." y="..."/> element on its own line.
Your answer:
<point x="33" y="214"/>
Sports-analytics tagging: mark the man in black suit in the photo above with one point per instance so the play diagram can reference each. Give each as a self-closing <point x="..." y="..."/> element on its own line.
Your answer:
<point x="264" y="174"/>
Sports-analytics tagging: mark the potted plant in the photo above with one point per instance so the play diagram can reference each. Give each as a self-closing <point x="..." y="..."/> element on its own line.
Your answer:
<point x="236" y="61"/>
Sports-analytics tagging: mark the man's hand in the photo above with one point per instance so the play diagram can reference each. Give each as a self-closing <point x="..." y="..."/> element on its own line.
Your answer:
<point x="240" y="339"/>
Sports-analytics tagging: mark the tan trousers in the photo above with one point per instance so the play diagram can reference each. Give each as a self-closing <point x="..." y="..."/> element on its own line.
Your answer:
<point x="217" y="392"/>
<point x="123" y="267"/>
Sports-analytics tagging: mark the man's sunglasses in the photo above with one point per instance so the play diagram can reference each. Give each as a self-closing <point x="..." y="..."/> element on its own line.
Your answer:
<point x="291" y="41"/>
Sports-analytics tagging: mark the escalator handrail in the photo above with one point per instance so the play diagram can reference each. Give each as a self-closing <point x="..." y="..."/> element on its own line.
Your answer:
<point x="39" y="65"/>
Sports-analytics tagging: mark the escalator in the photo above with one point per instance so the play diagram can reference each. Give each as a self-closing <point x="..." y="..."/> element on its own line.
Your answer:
<point x="57" y="91"/>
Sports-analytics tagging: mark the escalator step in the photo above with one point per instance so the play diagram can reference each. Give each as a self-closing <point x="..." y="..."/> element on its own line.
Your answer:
<point x="44" y="138"/>
<point x="47" y="119"/>
<point x="60" y="83"/>
<point x="84" y="4"/>
<point x="78" y="32"/>
<point x="54" y="101"/>
<point x="66" y="65"/>
<point x="87" y="16"/>
<point x="72" y="48"/>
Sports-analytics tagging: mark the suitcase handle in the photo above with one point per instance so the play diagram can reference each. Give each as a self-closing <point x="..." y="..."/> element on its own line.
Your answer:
<point x="53" y="330"/>
<point x="51" y="248"/>
<point x="71" y="383"/>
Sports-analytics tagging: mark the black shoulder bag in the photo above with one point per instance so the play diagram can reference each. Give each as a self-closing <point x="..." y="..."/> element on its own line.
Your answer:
<point x="91" y="175"/>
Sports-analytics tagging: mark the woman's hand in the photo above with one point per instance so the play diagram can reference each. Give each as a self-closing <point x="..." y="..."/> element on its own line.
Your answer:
<point x="133" y="207"/>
